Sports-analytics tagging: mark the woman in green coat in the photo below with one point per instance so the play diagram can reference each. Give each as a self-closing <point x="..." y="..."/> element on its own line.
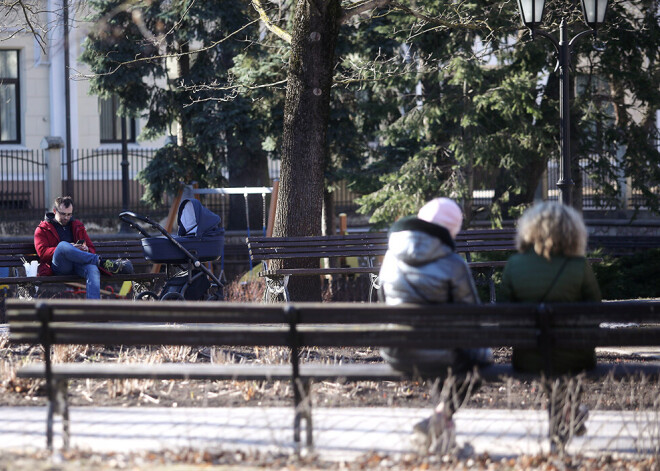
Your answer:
<point x="551" y="267"/>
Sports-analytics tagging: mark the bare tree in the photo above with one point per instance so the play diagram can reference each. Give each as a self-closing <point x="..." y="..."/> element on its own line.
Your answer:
<point x="32" y="17"/>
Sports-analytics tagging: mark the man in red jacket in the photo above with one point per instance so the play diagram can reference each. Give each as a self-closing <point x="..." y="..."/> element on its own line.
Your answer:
<point x="64" y="248"/>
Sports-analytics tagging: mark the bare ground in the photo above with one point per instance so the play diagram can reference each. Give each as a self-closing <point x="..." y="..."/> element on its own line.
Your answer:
<point x="600" y="394"/>
<point x="187" y="460"/>
<point x="631" y="394"/>
<point x="606" y="394"/>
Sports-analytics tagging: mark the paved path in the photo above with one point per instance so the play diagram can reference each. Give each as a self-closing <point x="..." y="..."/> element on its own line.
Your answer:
<point x="339" y="433"/>
<point x="649" y="353"/>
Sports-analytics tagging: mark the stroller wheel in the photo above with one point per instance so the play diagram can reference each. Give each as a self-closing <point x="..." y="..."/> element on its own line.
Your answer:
<point x="215" y="297"/>
<point x="172" y="296"/>
<point x="215" y="293"/>
<point x="146" y="296"/>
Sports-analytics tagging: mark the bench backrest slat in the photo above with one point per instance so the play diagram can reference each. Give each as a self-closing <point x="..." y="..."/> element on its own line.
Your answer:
<point x="625" y="312"/>
<point x="70" y="310"/>
<point x="562" y="314"/>
<point x="365" y="245"/>
<point x="580" y="337"/>
<point x="332" y="324"/>
<point x="131" y="249"/>
<point x="132" y="335"/>
<point x="428" y="337"/>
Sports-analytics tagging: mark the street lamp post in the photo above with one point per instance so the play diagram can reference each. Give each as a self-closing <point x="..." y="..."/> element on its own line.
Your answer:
<point x="531" y="12"/>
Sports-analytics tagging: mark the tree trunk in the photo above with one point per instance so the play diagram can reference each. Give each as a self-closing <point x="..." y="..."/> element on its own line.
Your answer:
<point x="183" y="70"/>
<point x="304" y="146"/>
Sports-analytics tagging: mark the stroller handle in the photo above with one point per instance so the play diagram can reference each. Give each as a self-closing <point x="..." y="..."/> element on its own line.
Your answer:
<point x="130" y="218"/>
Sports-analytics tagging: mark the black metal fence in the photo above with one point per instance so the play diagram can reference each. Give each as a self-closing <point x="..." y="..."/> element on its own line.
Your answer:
<point x="344" y="198"/>
<point x="97" y="182"/>
<point x="22" y="184"/>
<point x="97" y="186"/>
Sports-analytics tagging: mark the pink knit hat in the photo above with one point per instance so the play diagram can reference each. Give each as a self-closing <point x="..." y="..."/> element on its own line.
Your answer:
<point x="443" y="212"/>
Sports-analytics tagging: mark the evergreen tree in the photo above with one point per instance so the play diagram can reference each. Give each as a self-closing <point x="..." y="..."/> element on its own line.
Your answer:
<point x="442" y="98"/>
<point x="171" y="61"/>
<point x="474" y="106"/>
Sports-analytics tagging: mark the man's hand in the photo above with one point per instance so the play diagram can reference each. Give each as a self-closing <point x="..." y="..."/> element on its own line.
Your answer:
<point x="82" y="246"/>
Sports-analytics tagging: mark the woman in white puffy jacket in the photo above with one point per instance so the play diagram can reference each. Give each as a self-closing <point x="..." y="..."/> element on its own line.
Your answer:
<point x="421" y="267"/>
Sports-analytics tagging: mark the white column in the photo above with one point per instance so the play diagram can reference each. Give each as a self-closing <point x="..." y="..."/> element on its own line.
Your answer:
<point x="74" y="52"/>
<point x="56" y="72"/>
<point x="53" y="146"/>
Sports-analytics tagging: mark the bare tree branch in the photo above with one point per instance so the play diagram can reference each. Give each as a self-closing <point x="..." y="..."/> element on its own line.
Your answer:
<point x="37" y="36"/>
<point x="234" y="89"/>
<point x="269" y="24"/>
<point x="27" y="11"/>
<point x="168" y="56"/>
<point x="434" y="21"/>
<point x="359" y="8"/>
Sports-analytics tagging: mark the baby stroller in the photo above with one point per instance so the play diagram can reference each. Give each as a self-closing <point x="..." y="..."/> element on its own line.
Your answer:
<point x="200" y="238"/>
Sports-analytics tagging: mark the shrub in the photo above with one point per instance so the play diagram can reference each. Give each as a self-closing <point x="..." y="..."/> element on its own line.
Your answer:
<point x="629" y="276"/>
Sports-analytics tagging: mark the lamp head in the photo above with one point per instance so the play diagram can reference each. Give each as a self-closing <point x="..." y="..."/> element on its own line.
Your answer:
<point x="531" y="12"/>
<point x="594" y="12"/>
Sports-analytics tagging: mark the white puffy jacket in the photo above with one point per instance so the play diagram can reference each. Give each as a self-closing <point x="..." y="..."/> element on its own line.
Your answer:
<point x="421" y="267"/>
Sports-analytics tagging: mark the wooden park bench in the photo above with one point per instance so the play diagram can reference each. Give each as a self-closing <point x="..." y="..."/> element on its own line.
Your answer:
<point x="301" y="325"/>
<point x="369" y="247"/>
<point x="623" y="244"/>
<point x="235" y="260"/>
<point x="14" y="254"/>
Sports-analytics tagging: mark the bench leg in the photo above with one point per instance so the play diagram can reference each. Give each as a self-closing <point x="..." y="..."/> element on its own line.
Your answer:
<point x="491" y="285"/>
<point x="374" y="288"/>
<point x="58" y="405"/>
<point x="49" y="425"/>
<point x="62" y="392"/>
<point x="565" y="417"/>
<point x="26" y="291"/>
<point x="307" y="413"/>
<point x="277" y="287"/>
<point x="303" y="410"/>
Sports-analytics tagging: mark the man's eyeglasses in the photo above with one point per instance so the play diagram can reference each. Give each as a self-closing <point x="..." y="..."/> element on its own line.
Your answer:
<point x="66" y="215"/>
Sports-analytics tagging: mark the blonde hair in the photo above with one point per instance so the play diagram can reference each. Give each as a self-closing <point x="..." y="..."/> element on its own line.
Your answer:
<point x="551" y="228"/>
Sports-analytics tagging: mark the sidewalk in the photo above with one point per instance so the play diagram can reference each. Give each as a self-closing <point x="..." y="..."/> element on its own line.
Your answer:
<point x="339" y="433"/>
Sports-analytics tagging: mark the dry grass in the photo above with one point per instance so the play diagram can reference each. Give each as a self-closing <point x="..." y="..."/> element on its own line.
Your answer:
<point x="630" y="394"/>
<point x="192" y="459"/>
<point x="245" y="291"/>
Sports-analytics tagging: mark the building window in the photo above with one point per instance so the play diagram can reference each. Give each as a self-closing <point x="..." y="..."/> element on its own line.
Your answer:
<point x="601" y="104"/>
<point x="10" y="109"/>
<point x="111" y="122"/>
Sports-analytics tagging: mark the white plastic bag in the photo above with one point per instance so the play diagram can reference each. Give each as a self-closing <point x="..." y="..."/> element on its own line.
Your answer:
<point x="31" y="267"/>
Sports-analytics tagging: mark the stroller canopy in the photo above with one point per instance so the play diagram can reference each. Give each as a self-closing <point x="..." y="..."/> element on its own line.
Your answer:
<point x="197" y="220"/>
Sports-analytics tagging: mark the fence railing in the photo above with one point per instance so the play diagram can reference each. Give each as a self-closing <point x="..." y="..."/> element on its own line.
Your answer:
<point x="344" y="198"/>
<point x="98" y="188"/>
<point x="22" y="184"/>
<point x="598" y="193"/>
